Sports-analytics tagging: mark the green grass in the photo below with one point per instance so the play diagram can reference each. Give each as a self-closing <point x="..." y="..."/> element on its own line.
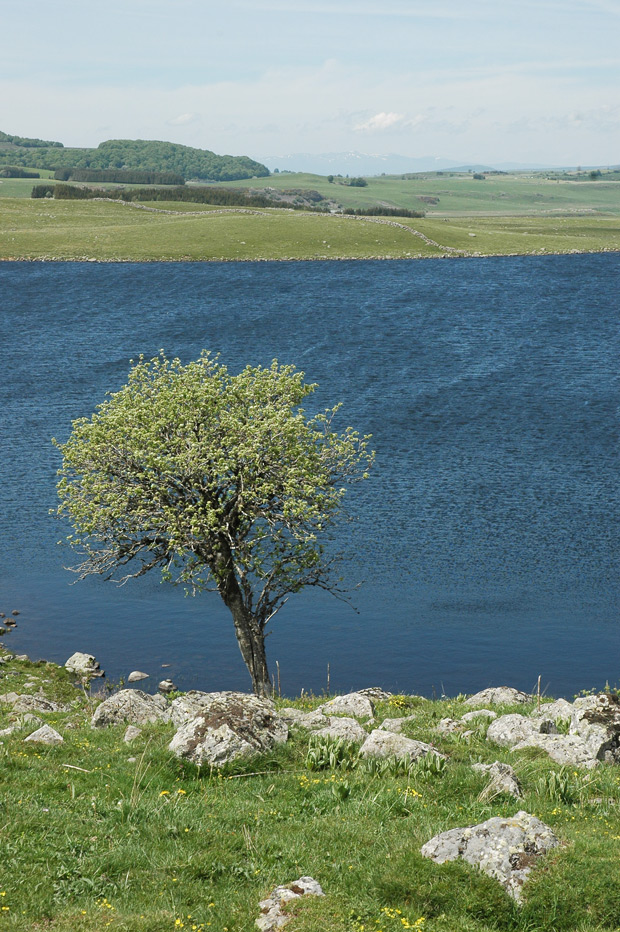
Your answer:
<point x="92" y="840"/>
<point x="113" y="231"/>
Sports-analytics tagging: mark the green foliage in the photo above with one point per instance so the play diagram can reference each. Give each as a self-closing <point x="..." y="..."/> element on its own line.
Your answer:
<point x="358" y="183"/>
<point x="379" y="211"/>
<point x="27" y="143"/>
<point x="12" y="171"/>
<point x="118" y="176"/>
<point x="219" y="481"/>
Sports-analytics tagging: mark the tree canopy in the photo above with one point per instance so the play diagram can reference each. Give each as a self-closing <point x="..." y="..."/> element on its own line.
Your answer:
<point x="220" y="481"/>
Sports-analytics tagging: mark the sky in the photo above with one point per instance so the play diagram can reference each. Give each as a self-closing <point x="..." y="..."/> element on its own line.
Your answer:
<point x="490" y="81"/>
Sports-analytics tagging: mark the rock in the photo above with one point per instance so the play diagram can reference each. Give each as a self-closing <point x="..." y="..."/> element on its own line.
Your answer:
<point x="186" y="707"/>
<point x="386" y="744"/>
<point x="395" y="725"/>
<point x="560" y="709"/>
<point x="132" y="706"/>
<point x="504" y="848"/>
<point x="8" y="731"/>
<point x="448" y="726"/>
<point x="15" y="612"/>
<point x="235" y="725"/>
<point x="503" y="780"/>
<point x="498" y="695"/>
<point x="272" y="916"/>
<point x="27" y="703"/>
<point x="354" y="704"/>
<point x="2" y="631"/>
<point x="375" y="694"/>
<point x="479" y="713"/>
<point x="346" y="728"/>
<point x="509" y="730"/>
<point x="571" y="750"/>
<point x="166" y="686"/>
<point x="83" y="665"/>
<point x="132" y="732"/>
<point x="45" y="735"/>
<point x="309" y="720"/>
<point x="136" y="675"/>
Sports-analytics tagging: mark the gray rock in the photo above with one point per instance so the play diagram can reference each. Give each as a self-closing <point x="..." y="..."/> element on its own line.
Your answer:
<point x="509" y="730"/>
<point x="45" y="735"/>
<point x="83" y="665"/>
<point x="560" y="709"/>
<point x="375" y="693"/>
<point x="132" y="732"/>
<point x="504" y="848"/>
<point x="479" y="713"/>
<point x="395" y="725"/>
<point x="237" y="725"/>
<point x="131" y="706"/>
<point x="448" y="726"/>
<point x="503" y="780"/>
<point x="191" y="704"/>
<point x="272" y="916"/>
<point x="352" y="704"/>
<point x="136" y="675"/>
<point x="339" y="727"/>
<point x="572" y="750"/>
<point x="498" y="695"/>
<point x="166" y="686"/>
<point x="28" y="703"/>
<point x="386" y="744"/>
<point x="309" y="720"/>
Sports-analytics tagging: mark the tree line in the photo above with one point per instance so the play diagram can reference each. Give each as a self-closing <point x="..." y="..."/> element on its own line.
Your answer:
<point x="118" y="176"/>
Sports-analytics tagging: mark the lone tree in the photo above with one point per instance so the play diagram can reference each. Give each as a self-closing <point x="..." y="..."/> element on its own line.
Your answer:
<point x="221" y="481"/>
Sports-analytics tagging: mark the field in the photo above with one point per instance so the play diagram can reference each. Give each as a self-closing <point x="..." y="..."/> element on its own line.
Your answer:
<point x="101" y="835"/>
<point x="113" y="231"/>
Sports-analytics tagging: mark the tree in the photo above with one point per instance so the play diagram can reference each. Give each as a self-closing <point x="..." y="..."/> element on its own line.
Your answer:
<point x="221" y="481"/>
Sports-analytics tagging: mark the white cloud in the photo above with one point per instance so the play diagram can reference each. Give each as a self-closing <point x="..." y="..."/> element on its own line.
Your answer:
<point x="183" y="119"/>
<point x="379" y="122"/>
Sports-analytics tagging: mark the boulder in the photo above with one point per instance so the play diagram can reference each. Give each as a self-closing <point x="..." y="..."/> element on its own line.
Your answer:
<point x="186" y="707"/>
<point x="504" y="848"/>
<point x="386" y="744"/>
<point x="309" y="720"/>
<point x="28" y="703"/>
<point x="509" y="730"/>
<point x="131" y="706"/>
<point x="560" y="709"/>
<point x="572" y="750"/>
<point x="136" y="675"/>
<point x="83" y="665"/>
<point x="448" y="726"/>
<point x="131" y="733"/>
<point x="498" y="695"/>
<point x="479" y="713"/>
<point x="272" y="916"/>
<point x="352" y="704"/>
<point x="340" y="727"/>
<point x="375" y="693"/>
<point x="395" y="725"/>
<point x="235" y="725"/>
<point x="166" y="686"/>
<point x="503" y="780"/>
<point x="45" y="735"/>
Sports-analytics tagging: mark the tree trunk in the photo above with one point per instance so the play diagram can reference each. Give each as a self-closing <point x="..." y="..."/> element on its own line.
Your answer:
<point x="250" y="637"/>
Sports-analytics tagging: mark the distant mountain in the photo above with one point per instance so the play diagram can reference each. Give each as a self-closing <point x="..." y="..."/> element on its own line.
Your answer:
<point x="359" y="163"/>
<point x="145" y="155"/>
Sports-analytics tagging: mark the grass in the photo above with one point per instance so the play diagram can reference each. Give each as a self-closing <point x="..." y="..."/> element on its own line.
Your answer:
<point x="113" y="231"/>
<point x="100" y="835"/>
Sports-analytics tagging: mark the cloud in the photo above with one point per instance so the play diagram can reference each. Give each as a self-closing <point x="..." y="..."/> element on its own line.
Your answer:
<point x="183" y="119"/>
<point x="379" y="123"/>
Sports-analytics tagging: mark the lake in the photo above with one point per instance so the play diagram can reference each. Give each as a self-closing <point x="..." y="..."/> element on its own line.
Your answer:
<point x="486" y="541"/>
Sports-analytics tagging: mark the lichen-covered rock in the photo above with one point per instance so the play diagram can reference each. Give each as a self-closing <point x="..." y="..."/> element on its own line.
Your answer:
<point x="498" y="695"/>
<point x="272" y="916"/>
<point x="395" y="725"/>
<point x="448" y="726"/>
<point x="352" y="704"/>
<point x="233" y="725"/>
<point x="509" y="730"/>
<point x="28" y="703"/>
<point x="186" y="707"/>
<point x="83" y="665"/>
<point x="132" y="706"/>
<point x="45" y="735"/>
<point x="479" y="713"/>
<point x="309" y="720"/>
<point x="504" y="848"/>
<point x="503" y="780"/>
<point x="340" y="727"/>
<point x="387" y="744"/>
<point x="136" y="675"/>
<point x="375" y="693"/>
<point x="131" y="733"/>
<point x="573" y="750"/>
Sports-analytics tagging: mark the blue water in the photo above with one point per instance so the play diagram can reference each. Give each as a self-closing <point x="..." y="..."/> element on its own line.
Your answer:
<point x="487" y="539"/>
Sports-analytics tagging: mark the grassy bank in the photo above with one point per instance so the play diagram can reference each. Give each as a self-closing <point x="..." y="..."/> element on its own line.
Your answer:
<point x="107" y="231"/>
<point x="98" y="834"/>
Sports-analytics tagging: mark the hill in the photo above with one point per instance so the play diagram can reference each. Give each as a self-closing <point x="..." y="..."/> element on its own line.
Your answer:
<point x="147" y="155"/>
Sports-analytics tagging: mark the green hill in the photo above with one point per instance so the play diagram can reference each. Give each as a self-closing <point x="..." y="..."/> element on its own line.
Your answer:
<point x="140" y="154"/>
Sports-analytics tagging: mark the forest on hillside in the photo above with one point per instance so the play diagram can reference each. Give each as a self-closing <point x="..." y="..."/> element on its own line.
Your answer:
<point x="135" y="154"/>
